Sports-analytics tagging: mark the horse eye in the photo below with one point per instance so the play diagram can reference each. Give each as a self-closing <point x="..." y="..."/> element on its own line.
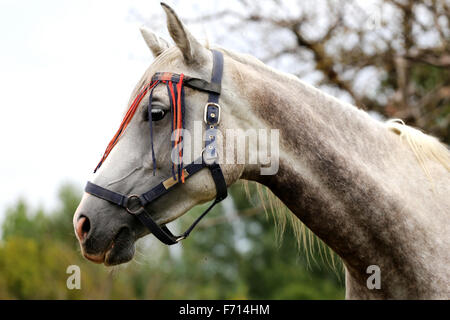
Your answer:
<point x="157" y="114"/>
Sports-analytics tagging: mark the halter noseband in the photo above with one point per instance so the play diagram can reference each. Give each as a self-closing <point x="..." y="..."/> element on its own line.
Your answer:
<point x="135" y="204"/>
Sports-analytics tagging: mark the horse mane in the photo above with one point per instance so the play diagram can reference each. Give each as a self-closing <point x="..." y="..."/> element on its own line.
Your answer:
<point x="306" y="240"/>
<point x="424" y="146"/>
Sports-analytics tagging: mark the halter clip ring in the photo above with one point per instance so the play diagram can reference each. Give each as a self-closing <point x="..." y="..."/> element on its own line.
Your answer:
<point x="132" y="198"/>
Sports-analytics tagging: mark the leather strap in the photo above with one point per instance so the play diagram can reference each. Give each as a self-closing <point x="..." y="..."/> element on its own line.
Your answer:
<point x="144" y="216"/>
<point x="145" y="198"/>
<point x="163" y="233"/>
<point x="194" y="83"/>
<point x="212" y="109"/>
<point x="208" y="160"/>
<point x="105" y="194"/>
<point x="216" y="76"/>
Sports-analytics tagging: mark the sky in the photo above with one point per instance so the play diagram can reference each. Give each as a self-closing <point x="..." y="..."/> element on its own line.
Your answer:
<point x="67" y="69"/>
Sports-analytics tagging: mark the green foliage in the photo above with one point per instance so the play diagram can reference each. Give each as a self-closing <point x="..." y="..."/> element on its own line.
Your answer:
<point x="232" y="258"/>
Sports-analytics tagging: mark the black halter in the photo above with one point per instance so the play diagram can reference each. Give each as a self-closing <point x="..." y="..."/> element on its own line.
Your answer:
<point x="135" y="204"/>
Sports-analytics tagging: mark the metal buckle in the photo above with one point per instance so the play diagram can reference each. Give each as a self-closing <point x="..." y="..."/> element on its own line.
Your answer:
<point x="209" y="159"/>
<point x="180" y="238"/>
<point x="170" y="182"/>
<point x="206" y="111"/>
<point x="130" y="210"/>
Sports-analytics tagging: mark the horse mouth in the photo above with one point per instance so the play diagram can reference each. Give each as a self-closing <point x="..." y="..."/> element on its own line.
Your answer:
<point x="120" y="250"/>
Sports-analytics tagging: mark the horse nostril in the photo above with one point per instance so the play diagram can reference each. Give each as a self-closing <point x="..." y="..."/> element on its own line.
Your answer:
<point x="83" y="227"/>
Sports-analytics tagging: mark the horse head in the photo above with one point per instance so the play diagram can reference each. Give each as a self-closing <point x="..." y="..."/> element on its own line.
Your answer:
<point x="141" y="154"/>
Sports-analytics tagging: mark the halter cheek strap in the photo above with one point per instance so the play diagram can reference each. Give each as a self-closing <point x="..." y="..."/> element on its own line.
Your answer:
<point x="212" y="109"/>
<point x="135" y="204"/>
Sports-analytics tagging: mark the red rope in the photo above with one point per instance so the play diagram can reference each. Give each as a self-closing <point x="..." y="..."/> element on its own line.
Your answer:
<point x="177" y="120"/>
<point x="180" y="123"/>
<point x="174" y="115"/>
<point x="126" y="120"/>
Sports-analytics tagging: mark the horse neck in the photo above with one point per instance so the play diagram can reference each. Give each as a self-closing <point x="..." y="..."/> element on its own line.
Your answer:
<point x="351" y="181"/>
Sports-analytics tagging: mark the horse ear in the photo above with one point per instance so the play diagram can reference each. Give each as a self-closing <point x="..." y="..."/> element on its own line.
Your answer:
<point x="193" y="51"/>
<point x="156" y="44"/>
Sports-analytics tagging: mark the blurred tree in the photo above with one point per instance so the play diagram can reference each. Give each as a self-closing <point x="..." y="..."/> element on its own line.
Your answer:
<point x="18" y="222"/>
<point x="387" y="56"/>
<point x="37" y="248"/>
<point x="234" y="255"/>
<point x="230" y="256"/>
